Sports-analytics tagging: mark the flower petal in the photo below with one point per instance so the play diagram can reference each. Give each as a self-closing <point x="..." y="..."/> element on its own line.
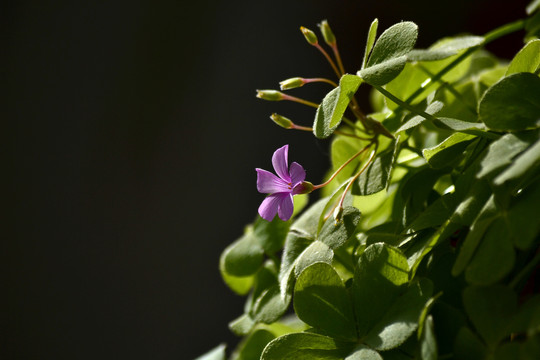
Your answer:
<point x="298" y="174"/>
<point x="268" y="183"/>
<point x="269" y="206"/>
<point x="286" y="207"/>
<point x="281" y="163"/>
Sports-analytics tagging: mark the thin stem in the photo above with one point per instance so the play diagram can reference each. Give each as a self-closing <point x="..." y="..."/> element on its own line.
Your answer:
<point x="300" y="101"/>
<point x="450" y="88"/>
<point x="329" y="59"/>
<point x="328" y="81"/>
<point x="353" y="179"/>
<point x="341" y="168"/>
<point x="350" y="135"/>
<point x="404" y="104"/>
<point x="310" y="129"/>
<point x="303" y="128"/>
<point x="338" y="57"/>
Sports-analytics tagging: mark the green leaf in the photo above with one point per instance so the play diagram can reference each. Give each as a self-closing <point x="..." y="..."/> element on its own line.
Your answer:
<point x="468" y="346"/>
<point x="335" y="234"/>
<point x="502" y="152"/>
<point x="484" y="219"/>
<point x="298" y="254"/>
<point x="431" y="109"/>
<point x="533" y="6"/>
<point x="308" y="223"/>
<point x="445" y="48"/>
<point x="243" y="257"/>
<point x="306" y="346"/>
<point x="321" y="300"/>
<point x="512" y="104"/>
<point x="271" y="234"/>
<point x="363" y="352"/>
<point x="379" y="278"/>
<point x="400" y="320"/>
<point x="388" y="57"/>
<point x="396" y="41"/>
<point x="377" y="175"/>
<point x="523" y="228"/>
<point x="239" y="284"/>
<point x="383" y="73"/>
<point x="490" y="310"/>
<point x="435" y="215"/>
<point x="527" y="59"/>
<point x="449" y="152"/>
<point x="342" y="149"/>
<point x="527" y="350"/>
<point x="522" y="169"/>
<point x="495" y="256"/>
<point x="253" y="346"/>
<point x="242" y="325"/>
<point x="330" y="112"/>
<point x="269" y="306"/>
<point x="428" y="347"/>
<point x="386" y="233"/>
<point x="217" y="353"/>
<point x="316" y="252"/>
<point x="372" y="34"/>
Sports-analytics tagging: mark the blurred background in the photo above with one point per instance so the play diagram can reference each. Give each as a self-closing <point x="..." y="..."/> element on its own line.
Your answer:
<point x="133" y="134"/>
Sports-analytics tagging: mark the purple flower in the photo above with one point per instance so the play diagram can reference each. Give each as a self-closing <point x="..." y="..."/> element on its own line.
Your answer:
<point x="281" y="188"/>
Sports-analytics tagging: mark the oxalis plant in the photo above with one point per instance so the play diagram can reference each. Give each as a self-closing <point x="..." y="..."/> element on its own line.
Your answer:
<point x="424" y="243"/>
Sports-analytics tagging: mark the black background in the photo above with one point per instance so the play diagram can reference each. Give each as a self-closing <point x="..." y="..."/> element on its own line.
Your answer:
<point x="133" y="133"/>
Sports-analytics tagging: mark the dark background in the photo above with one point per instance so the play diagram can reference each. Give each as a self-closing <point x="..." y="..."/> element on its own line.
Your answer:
<point x="133" y="133"/>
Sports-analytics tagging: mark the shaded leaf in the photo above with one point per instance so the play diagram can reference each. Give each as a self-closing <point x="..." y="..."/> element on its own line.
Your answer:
<point x="253" y="345"/>
<point x="495" y="256"/>
<point x="269" y="306"/>
<point x="298" y="254"/>
<point x="489" y="316"/>
<point x="243" y="257"/>
<point x="379" y="278"/>
<point x="271" y="234"/>
<point x="501" y="152"/>
<point x="321" y="300"/>
<point x="449" y="152"/>
<point x="512" y="104"/>
<point x="484" y="219"/>
<point x="306" y="346"/>
<point x="431" y="109"/>
<point x="468" y="346"/>
<point x="400" y="320"/>
<point x="335" y="234"/>
<point x="377" y="175"/>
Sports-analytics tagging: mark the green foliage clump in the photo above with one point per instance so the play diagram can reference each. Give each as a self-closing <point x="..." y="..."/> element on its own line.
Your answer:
<point x="424" y="244"/>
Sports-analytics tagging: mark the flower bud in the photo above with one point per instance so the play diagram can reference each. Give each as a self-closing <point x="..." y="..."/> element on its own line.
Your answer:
<point x="327" y="33"/>
<point x="281" y="121"/>
<point x="305" y="187"/>
<point x="270" y="95"/>
<point x="338" y="213"/>
<point x="291" y="83"/>
<point x="309" y="35"/>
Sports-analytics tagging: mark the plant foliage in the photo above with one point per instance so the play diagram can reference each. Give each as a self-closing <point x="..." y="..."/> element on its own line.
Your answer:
<point x="425" y="244"/>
